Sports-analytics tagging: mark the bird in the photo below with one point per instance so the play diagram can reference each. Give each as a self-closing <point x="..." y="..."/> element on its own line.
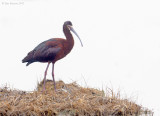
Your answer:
<point x="52" y="50"/>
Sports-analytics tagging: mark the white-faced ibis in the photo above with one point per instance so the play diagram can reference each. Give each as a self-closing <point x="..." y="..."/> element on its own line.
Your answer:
<point x="52" y="50"/>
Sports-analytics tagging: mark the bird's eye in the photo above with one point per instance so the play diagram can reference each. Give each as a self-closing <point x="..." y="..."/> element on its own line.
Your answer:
<point x="69" y="27"/>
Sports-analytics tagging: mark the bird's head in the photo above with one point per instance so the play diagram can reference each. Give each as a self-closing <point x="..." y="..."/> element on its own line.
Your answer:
<point x="68" y="24"/>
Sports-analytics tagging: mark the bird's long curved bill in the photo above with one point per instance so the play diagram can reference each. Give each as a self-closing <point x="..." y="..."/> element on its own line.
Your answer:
<point x="71" y="28"/>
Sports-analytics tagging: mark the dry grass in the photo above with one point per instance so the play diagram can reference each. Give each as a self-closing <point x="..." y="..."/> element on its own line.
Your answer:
<point x="69" y="100"/>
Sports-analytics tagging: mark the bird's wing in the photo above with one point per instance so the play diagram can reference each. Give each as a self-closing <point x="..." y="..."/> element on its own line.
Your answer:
<point x="45" y="52"/>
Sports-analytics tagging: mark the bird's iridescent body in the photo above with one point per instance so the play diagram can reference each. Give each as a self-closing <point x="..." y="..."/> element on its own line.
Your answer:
<point x="52" y="50"/>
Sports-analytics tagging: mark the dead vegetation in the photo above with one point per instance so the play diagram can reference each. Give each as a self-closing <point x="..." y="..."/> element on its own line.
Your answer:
<point x="69" y="100"/>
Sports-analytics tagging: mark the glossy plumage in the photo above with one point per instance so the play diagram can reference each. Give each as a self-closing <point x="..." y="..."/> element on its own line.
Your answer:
<point x="52" y="50"/>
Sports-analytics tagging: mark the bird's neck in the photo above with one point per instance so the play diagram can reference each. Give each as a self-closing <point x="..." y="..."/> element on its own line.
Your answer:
<point x="69" y="37"/>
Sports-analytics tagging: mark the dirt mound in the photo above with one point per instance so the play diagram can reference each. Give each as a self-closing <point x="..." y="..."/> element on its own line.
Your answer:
<point x="69" y="99"/>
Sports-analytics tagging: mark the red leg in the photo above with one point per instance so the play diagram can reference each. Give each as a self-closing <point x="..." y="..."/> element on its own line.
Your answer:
<point x="53" y="77"/>
<point x="45" y="76"/>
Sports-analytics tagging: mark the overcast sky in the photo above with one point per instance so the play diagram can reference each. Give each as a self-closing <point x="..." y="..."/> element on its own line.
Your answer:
<point x="121" y="44"/>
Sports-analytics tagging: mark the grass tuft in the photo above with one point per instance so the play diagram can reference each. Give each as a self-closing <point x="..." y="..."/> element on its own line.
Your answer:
<point x="69" y="100"/>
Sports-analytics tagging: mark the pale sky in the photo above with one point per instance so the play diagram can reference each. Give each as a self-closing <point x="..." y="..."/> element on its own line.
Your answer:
<point x="121" y="44"/>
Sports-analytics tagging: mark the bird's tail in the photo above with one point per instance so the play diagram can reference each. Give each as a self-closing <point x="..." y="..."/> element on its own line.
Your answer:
<point x="29" y="59"/>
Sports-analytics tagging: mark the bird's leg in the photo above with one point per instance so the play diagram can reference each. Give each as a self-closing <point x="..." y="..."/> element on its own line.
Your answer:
<point x="44" y="80"/>
<point x="53" y="77"/>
